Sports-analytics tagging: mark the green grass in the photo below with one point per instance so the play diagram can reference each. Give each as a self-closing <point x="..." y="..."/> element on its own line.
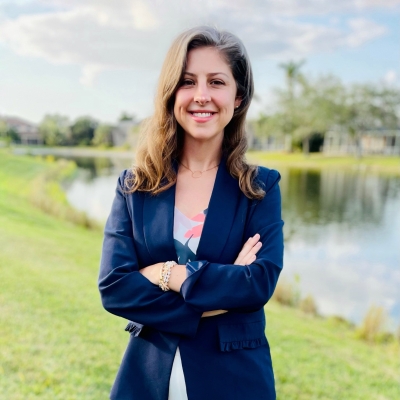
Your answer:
<point x="318" y="358"/>
<point x="374" y="164"/>
<point x="57" y="342"/>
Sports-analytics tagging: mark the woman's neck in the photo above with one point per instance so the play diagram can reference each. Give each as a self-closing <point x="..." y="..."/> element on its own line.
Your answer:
<point x="198" y="155"/>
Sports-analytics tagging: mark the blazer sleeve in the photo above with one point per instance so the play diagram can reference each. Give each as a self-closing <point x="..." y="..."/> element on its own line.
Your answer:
<point x="212" y="286"/>
<point x="125" y="292"/>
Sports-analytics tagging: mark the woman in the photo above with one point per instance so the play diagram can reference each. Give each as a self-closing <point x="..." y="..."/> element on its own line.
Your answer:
<point x="193" y="245"/>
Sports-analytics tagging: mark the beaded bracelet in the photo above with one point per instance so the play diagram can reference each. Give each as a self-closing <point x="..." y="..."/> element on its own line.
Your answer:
<point x="165" y="273"/>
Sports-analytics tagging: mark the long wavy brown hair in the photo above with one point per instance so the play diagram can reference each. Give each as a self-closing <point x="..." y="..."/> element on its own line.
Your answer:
<point x="161" y="137"/>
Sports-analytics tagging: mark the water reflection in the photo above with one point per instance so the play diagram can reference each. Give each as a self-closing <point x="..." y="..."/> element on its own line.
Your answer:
<point x="93" y="189"/>
<point x="342" y="232"/>
<point x="343" y="236"/>
<point x="93" y="167"/>
<point x="322" y="197"/>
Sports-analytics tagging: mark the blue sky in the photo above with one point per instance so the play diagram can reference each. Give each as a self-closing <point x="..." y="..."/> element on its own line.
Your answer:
<point x="101" y="57"/>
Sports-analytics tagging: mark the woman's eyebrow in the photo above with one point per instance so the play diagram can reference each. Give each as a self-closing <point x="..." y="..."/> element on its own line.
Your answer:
<point x="210" y="74"/>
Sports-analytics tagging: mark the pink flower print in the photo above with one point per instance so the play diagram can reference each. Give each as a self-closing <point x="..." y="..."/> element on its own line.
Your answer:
<point x="195" y="231"/>
<point x="199" y="217"/>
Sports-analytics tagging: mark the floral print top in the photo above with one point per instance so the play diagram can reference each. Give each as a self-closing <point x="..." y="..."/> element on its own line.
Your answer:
<point x="187" y="233"/>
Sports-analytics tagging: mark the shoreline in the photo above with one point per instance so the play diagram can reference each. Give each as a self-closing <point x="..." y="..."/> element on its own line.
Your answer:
<point x="71" y="152"/>
<point x="376" y="164"/>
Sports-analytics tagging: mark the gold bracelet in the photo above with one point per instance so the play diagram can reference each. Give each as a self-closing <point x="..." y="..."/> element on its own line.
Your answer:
<point x="165" y="273"/>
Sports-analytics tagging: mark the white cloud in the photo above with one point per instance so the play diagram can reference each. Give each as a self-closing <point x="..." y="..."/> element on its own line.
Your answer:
<point x="89" y="74"/>
<point x="390" y="77"/>
<point x="142" y="16"/>
<point x="88" y="37"/>
<point x="309" y="7"/>
<point x="100" y="35"/>
<point x="277" y="8"/>
<point x="364" y="30"/>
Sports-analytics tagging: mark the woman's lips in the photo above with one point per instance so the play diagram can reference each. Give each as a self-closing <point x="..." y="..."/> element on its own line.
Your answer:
<point x="202" y="116"/>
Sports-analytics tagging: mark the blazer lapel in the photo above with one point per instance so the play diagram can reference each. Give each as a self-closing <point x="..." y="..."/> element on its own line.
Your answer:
<point x="220" y="215"/>
<point x="158" y="220"/>
<point x="158" y="223"/>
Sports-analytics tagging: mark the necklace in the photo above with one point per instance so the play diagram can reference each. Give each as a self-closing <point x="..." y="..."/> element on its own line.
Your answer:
<point x="197" y="174"/>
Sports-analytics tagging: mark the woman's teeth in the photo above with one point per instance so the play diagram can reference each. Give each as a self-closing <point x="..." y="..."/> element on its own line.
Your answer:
<point x="204" y="115"/>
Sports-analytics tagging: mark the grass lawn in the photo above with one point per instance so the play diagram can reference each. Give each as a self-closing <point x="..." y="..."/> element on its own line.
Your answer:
<point x="57" y="342"/>
<point x="374" y="164"/>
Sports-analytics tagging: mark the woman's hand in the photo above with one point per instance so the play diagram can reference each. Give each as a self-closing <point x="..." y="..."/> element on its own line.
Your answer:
<point x="212" y="313"/>
<point x="177" y="277"/>
<point x="152" y="273"/>
<point x="248" y="253"/>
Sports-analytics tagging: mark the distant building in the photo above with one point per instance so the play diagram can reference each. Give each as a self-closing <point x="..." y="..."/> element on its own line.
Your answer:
<point x="27" y="131"/>
<point x="264" y="143"/>
<point x="125" y="133"/>
<point x="268" y="143"/>
<point x="371" y="141"/>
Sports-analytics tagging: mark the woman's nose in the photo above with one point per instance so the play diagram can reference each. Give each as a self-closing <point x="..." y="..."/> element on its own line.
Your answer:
<point x="202" y="95"/>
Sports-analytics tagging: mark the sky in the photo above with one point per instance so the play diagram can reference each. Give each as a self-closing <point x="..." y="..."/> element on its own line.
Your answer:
<point x="103" y="57"/>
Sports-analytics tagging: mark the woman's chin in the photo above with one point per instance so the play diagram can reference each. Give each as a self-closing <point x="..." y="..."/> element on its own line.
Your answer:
<point x="204" y="136"/>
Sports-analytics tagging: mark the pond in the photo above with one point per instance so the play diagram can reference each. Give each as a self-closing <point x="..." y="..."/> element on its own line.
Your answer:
<point x="342" y="232"/>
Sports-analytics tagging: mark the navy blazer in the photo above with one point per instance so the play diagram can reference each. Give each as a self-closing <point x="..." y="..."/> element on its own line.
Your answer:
<point x="223" y="357"/>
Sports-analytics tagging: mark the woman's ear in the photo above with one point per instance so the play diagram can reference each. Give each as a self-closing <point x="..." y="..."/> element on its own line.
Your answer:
<point x="238" y="101"/>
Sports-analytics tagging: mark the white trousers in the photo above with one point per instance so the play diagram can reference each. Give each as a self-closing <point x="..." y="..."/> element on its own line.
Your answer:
<point x="177" y="385"/>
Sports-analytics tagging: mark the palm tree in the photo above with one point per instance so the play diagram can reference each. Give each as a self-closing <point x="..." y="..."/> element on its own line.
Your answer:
<point x="293" y="75"/>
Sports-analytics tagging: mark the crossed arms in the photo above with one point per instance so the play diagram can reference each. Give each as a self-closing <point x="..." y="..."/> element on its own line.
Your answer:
<point x="131" y="291"/>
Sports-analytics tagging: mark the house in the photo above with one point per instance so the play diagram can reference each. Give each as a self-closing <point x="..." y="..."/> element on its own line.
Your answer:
<point x="370" y="141"/>
<point x="125" y="132"/>
<point x="27" y="131"/>
<point x="269" y="143"/>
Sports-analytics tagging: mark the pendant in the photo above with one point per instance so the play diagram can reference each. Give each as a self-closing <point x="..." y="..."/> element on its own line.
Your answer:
<point x="197" y="174"/>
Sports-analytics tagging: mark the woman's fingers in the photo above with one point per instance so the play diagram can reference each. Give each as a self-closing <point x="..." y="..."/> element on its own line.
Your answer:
<point x="212" y="313"/>
<point x="251" y="242"/>
<point x="250" y="258"/>
<point x="249" y="250"/>
<point x="256" y="247"/>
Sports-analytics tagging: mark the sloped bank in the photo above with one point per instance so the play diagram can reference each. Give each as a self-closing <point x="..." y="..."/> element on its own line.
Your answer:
<point x="40" y="181"/>
<point x="58" y="343"/>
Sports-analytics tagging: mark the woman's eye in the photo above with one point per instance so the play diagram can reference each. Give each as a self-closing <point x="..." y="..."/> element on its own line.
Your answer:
<point x="187" y="82"/>
<point x="217" y="82"/>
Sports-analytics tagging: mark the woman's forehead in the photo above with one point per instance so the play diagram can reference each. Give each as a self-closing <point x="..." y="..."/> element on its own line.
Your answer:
<point x="207" y="60"/>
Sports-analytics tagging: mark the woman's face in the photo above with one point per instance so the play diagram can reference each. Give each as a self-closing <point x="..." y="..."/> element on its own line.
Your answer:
<point x="206" y="98"/>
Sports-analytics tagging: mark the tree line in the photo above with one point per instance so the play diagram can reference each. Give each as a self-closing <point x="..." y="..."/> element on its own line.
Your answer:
<point x="307" y="108"/>
<point x="56" y="130"/>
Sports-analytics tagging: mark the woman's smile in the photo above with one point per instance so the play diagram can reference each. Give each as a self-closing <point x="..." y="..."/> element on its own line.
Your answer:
<point x="202" y="116"/>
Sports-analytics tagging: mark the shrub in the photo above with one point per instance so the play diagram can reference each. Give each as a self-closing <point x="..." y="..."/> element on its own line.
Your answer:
<point x="372" y="326"/>
<point x="286" y="293"/>
<point x="308" y="305"/>
<point x="338" y="320"/>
